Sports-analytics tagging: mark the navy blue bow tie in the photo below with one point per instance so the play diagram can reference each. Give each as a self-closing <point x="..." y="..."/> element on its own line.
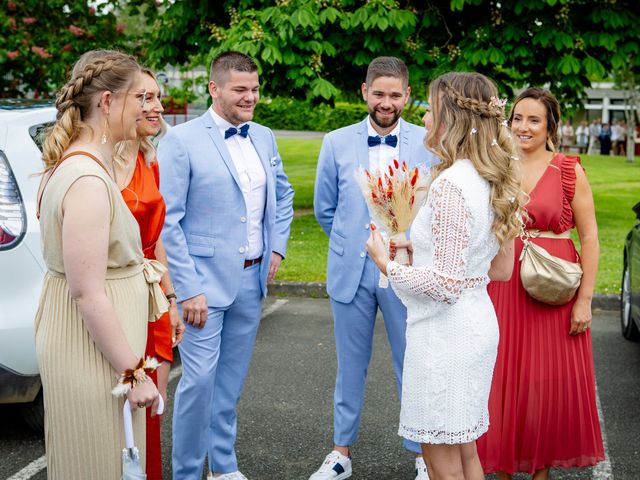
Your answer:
<point x="390" y="140"/>
<point x="243" y="131"/>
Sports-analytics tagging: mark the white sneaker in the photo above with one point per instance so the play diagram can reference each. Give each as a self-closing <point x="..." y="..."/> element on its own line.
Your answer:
<point x="237" y="475"/>
<point x="335" y="467"/>
<point x="421" y="469"/>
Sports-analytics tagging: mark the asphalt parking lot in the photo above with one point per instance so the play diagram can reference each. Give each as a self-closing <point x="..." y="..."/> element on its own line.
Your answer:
<point x="285" y="416"/>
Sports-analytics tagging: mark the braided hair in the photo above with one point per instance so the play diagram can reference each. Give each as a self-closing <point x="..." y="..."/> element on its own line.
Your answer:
<point x="469" y="123"/>
<point x="94" y="72"/>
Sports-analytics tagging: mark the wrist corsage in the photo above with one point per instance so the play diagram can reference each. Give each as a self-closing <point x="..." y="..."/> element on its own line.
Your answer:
<point x="134" y="376"/>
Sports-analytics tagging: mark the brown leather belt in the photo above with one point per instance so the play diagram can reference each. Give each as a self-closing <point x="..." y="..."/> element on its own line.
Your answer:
<point x="249" y="263"/>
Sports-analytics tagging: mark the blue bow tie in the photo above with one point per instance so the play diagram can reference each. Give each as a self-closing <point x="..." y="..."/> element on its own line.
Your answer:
<point x="243" y="131"/>
<point x="390" y="140"/>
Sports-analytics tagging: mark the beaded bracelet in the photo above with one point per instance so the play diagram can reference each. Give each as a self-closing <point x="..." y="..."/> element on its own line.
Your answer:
<point x="134" y="376"/>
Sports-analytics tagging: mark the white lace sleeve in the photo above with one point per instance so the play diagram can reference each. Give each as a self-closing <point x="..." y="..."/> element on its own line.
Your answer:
<point x="444" y="280"/>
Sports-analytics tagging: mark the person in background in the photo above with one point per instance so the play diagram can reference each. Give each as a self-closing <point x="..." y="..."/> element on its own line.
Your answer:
<point x="582" y="137"/>
<point x="352" y="277"/>
<point x="543" y="402"/>
<point x="229" y="213"/>
<point x="621" y="147"/>
<point x="99" y="292"/>
<point x="463" y="232"/>
<point x="594" y="137"/>
<point x="138" y="177"/>
<point x="616" y="135"/>
<point x="567" y="136"/>
<point x="605" y="139"/>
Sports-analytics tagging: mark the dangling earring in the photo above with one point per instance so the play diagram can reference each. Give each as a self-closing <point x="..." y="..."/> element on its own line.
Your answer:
<point x="105" y="129"/>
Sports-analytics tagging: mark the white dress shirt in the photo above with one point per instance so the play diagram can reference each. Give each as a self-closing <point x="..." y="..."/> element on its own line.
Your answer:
<point x="253" y="183"/>
<point x="381" y="156"/>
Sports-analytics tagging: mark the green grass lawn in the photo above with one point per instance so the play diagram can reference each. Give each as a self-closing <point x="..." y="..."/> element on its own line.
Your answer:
<point x="615" y="184"/>
<point x="616" y="188"/>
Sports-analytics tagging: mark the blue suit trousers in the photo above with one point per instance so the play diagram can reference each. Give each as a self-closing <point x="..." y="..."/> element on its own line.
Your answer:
<point x="215" y="362"/>
<point x="354" y="325"/>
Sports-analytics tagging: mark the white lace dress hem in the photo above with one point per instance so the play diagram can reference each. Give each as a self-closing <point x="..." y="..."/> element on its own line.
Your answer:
<point x="452" y="330"/>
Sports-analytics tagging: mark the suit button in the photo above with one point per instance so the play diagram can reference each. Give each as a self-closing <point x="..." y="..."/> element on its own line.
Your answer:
<point x="243" y="219"/>
<point x="241" y="249"/>
<point x="362" y="254"/>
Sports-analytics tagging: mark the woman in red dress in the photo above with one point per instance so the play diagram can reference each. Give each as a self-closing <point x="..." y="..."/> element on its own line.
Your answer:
<point x="139" y="183"/>
<point x="542" y="404"/>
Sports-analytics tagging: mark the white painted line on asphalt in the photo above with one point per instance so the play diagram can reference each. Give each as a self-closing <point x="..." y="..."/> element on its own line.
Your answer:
<point x="175" y="372"/>
<point x="603" y="470"/>
<point x="281" y="302"/>
<point x="31" y="470"/>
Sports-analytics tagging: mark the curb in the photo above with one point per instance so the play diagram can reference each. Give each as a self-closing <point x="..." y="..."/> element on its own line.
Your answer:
<point x="318" y="290"/>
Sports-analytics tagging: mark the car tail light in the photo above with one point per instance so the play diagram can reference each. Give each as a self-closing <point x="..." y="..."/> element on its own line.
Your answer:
<point x="13" y="218"/>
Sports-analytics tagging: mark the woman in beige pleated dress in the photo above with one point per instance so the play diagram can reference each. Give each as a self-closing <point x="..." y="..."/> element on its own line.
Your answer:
<point x="92" y="320"/>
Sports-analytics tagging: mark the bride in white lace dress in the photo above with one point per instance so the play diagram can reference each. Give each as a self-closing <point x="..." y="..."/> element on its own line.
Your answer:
<point x="452" y="332"/>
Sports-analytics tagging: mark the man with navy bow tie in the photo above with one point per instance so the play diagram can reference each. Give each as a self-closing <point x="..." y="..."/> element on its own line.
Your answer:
<point x="229" y="211"/>
<point x="352" y="277"/>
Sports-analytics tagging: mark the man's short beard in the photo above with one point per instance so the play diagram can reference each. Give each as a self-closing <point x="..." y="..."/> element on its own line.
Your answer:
<point x="396" y="116"/>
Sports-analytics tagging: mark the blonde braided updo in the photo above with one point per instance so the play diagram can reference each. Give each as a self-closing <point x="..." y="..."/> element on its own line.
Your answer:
<point x="469" y="123"/>
<point x="94" y="72"/>
<point x="490" y="109"/>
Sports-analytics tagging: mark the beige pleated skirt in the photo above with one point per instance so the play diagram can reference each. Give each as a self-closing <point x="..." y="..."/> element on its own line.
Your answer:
<point x="83" y="422"/>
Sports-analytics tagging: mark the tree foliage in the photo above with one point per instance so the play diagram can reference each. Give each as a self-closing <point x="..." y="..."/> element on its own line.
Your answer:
<point x="320" y="48"/>
<point x="40" y="41"/>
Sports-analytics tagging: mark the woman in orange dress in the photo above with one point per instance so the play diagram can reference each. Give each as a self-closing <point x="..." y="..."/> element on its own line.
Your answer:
<point x="542" y="404"/>
<point x="139" y="181"/>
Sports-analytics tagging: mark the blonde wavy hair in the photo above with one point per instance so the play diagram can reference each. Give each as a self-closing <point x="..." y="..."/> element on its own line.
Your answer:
<point x="145" y="144"/>
<point x="465" y="106"/>
<point x="94" y="72"/>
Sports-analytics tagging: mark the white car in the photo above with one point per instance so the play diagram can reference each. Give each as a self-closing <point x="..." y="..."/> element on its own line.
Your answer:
<point x="21" y="265"/>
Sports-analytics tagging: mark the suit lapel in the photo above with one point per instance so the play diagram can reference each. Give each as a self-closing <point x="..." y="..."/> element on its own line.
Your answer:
<point x="405" y="144"/>
<point x="262" y="150"/>
<point x="218" y="141"/>
<point x="362" y="147"/>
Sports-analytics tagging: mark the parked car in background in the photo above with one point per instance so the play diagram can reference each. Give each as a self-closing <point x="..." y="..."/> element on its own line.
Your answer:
<point x="630" y="291"/>
<point x="21" y="265"/>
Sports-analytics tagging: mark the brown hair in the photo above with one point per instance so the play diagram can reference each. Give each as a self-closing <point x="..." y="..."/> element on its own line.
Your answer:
<point x="223" y="63"/>
<point x="466" y="107"/>
<point x="94" y="72"/>
<point x="387" y="67"/>
<point x="551" y="105"/>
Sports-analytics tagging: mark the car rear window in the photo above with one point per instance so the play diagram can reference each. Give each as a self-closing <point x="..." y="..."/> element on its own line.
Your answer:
<point x="38" y="133"/>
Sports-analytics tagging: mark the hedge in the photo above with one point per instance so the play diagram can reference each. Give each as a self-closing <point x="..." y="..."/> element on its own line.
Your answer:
<point x="288" y="114"/>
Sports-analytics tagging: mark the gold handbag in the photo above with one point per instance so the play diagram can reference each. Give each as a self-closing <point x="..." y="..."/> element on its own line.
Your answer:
<point x="545" y="277"/>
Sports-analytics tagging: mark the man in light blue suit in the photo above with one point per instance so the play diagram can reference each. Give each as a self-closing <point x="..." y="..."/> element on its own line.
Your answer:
<point x="229" y="211"/>
<point x="352" y="277"/>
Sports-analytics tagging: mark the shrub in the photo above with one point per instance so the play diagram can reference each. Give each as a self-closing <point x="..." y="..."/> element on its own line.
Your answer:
<point x="288" y="114"/>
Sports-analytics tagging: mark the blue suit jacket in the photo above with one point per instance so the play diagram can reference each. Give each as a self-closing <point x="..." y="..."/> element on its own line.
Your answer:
<point x="339" y="204"/>
<point x="205" y="229"/>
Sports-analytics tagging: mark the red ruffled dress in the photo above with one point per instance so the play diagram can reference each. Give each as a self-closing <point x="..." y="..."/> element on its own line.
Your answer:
<point x="147" y="205"/>
<point x="542" y="405"/>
